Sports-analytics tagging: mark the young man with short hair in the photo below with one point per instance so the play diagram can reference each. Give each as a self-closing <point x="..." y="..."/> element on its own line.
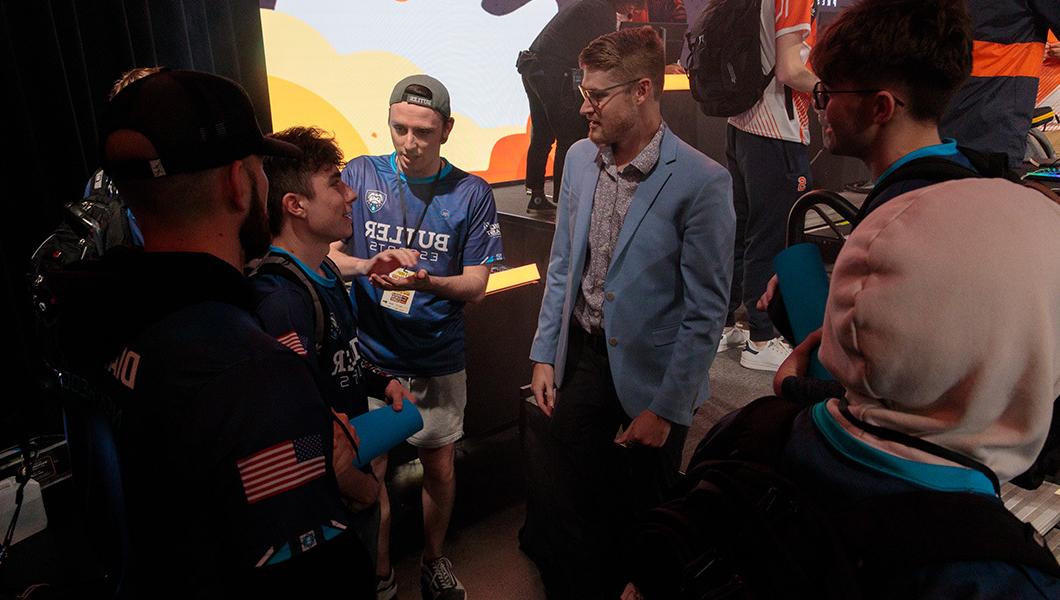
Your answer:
<point x="887" y="116"/>
<point x="411" y="321"/>
<point x="635" y="298"/>
<point x="309" y="208"/>
<point x="884" y="109"/>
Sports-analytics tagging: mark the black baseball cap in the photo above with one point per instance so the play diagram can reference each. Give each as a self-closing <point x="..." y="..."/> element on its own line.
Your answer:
<point x="180" y="122"/>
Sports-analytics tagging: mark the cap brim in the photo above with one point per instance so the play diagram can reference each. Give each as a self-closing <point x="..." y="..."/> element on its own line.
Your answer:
<point x="274" y="147"/>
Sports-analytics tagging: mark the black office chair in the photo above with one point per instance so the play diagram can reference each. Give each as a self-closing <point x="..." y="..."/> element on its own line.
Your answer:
<point x="835" y="213"/>
<point x="1039" y="148"/>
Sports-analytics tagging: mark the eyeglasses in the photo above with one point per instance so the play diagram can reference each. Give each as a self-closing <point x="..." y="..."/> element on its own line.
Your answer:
<point x="821" y="96"/>
<point x="598" y="98"/>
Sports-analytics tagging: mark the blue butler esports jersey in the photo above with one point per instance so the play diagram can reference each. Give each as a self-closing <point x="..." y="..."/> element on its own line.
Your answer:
<point x="459" y="228"/>
<point x="285" y="309"/>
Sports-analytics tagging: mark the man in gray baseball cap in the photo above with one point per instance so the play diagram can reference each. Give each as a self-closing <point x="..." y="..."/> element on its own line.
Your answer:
<point x="411" y="322"/>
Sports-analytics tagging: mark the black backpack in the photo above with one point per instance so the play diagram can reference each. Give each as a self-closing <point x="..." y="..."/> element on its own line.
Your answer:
<point x="275" y="263"/>
<point x="725" y="57"/>
<point x="740" y="528"/>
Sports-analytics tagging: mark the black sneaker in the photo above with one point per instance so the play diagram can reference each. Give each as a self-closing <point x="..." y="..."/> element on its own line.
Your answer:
<point x="539" y="204"/>
<point x="530" y="192"/>
<point x="438" y="582"/>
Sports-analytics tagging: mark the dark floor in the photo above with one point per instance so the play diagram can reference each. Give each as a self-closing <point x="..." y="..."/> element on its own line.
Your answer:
<point x="512" y="199"/>
<point x="490" y="490"/>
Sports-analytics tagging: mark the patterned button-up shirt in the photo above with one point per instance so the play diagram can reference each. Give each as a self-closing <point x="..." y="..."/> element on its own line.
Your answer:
<point x="611" y="200"/>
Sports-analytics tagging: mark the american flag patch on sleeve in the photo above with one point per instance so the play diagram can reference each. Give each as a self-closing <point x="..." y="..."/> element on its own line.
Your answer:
<point x="281" y="467"/>
<point x="292" y="341"/>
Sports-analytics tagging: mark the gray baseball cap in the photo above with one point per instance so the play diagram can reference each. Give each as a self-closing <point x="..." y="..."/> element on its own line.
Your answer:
<point x="438" y="99"/>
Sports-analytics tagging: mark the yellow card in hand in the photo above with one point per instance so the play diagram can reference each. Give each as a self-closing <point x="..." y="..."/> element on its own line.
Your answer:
<point x="399" y="300"/>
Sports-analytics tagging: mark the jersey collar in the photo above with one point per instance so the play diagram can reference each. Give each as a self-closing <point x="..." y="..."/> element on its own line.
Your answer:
<point x="948" y="147"/>
<point x="446" y="169"/>
<point x="310" y="273"/>
<point x="935" y="477"/>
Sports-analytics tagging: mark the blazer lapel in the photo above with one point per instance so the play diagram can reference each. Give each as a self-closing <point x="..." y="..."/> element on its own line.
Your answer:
<point x="645" y="196"/>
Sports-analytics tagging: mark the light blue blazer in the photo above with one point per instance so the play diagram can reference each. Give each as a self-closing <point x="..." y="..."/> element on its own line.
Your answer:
<point x="667" y="289"/>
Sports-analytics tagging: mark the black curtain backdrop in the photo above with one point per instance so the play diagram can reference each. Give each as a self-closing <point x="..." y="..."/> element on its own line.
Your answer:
<point x="58" y="61"/>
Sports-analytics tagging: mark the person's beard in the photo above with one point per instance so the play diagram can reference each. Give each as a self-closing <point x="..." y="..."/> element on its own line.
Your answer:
<point x="254" y="234"/>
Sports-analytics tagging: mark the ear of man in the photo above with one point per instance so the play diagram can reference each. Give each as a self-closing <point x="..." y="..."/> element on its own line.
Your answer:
<point x="447" y="128"/>
<point x="238" y="187"/>
<point x="294" y="204"/>
<point x="643" y="91"/>
<point x="883" y="107"/>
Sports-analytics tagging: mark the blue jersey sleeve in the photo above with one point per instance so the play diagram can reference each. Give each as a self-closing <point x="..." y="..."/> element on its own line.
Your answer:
<point x="483" y="246"/>
<point x="286" y="313"/>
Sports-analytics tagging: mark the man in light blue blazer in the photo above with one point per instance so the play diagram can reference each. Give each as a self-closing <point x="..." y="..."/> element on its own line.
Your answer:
<point x="636" y="296"/>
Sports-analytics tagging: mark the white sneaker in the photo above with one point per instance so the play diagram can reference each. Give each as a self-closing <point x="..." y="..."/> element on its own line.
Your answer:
<point x="733" y="337"/>
<point x="767" y="358"/>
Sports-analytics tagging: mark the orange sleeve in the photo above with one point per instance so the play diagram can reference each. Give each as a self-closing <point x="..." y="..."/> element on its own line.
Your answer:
<point x="792" y="15"/>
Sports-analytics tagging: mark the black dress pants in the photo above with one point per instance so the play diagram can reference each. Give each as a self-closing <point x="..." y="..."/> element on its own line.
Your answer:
<point x="599" y="486"/>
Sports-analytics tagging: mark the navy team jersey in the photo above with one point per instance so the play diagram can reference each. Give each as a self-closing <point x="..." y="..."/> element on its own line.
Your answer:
<point x="286" y="311"/>
<point x="210" y="404"/>
<point x="459" y="228"/>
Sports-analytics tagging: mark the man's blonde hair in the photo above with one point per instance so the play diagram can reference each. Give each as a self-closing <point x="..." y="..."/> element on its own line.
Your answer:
<point x="630" y="54"/>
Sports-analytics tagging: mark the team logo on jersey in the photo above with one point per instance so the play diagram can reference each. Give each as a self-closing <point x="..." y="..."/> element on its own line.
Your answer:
<point x="445" y="213"/>
<point x="375" y="200"/>
<point x="492" y="229"/>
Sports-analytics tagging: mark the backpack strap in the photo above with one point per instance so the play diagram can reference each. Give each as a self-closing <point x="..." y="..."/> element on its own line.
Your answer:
<point x="920" y="444"/>
<point x="789" y="102"/>
<point x="938" y="527"/>
<point x="329" y="265"/>
<point x="278" y="264"/>
<point x="935" y="525"/>
<point x="990" y="164"/>
<point x="934" y="169"/>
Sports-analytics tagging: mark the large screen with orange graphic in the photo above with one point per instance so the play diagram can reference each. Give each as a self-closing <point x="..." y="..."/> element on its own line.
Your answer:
<point x="332" y="63"/>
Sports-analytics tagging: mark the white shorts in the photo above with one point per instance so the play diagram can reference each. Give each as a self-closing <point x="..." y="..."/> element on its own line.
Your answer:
<point x="441" y="401"/>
